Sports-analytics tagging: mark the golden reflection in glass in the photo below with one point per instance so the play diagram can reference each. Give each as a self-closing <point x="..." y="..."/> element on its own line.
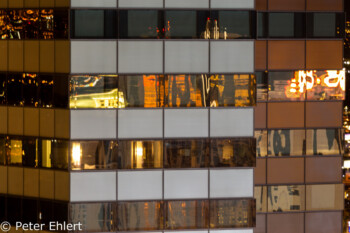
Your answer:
<point x="186" y="90"/>
<point x="46" y="153"/>
<point x="2" y="151"/>
<point x="140" y="154"/>
<point x="30" y="89"/>
<point x="95" y="92"/>
<point x="15" y="151"/>
<point x="46" y="24"/>
<point x="261" y="142"/>
<point x="238" y="213"/>
<point x="286" y="198"/>
<point x="285" y="142"/>
<point x="232" y="90"/>
<point x="260" y="195"/>
<point x="140" y="216"/>
<point x="76" y="155"/>
<point x="324" y="142"/>
<point x="31" y="23"/>
<point x="187" y="214"/>
<point x="15" y="25"/>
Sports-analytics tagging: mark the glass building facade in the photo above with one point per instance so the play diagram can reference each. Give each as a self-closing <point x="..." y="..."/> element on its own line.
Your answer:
<point x="151" y="115"/>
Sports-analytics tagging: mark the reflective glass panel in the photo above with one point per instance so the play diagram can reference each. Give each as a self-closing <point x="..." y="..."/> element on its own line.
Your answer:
<point x="140" y="154"/>
<point x="45" y="147"/>
<point x="87" y="155"/>
<point x="15" y="28"/>
<point x="261" y="86"/>
<point x="286" y="198"/>
<point x="59" y="154"/>
<point x="47" y="24"/>
<point x="140" y="216"/>
<point x="324" y="142"/>
<point x="4" y="24"/>
<point x="186" y="91"/>
<point x="14" y="89"/>
<point x="325" y="25"/>
<point x="324" y="85"/>
<point x="237" y="213"/>
<point x="140" y="24"/>
<point x="230" y="24"/>
<point x="14" y="205"/>
<point x="186" y="153"/>
<point x="232" y="90"/>
<point x="286" y="86"/>
<point x="261" y="25"/>
<point x="3" y="151"/>
<point x="286" y="142"/>
<point x="324" y="197"/>
<point x="14" y="151"/>
<point x="233" y="152"/>
<point x="261" y="143"/>
<point x="30" y="155"/>
<point x="281" y="24"/>
<point x="141" y="91"/>
<point x="100" y="217"/>
<point x="31" y="89"/>
<point x="45" y="212"/>
<point x="260" y="195"/>
<point x="186" y="214"/>
<point x="31" y="21"/>
<point x="46" y="86"/>
<point x="30" y="210"/>
<point x="95" y="92"/>
<point x="3" y="92"/>
<point x="3" y="208"/>
<point x="61" y="23"/>
<point x="185" y="24"/>
<point x="61" y="91"/>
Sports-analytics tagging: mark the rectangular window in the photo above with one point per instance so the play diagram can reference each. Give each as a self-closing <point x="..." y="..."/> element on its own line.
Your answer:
<point x="140" y="216"/>
<point x="3" y="157"/>
<point x="186" y="153"/>
<point x="261" y="142"/>
<point x="287" y="198"/>
<point x="95" y="92"/>
<point x="232" y="90"/>
<point x="47" y="23"/>
<point x="186" y="214"/>
<point x="46" y="86"/>
<point x="260" y="195"/>
<point x="238" y="213"/>
<point x="46" y="212"/>
<point x="59" y="154"/>
<point x="261" y="86"/>
<point x="30" y="154"/>
<point x="99" y="217"/>
<point x="286" y="142"/>
<point x="14" y="213"/>
<point x="3" y="86"/>
<point x="31" y="89"/>
<point x="15" y="26"/>
<point x="86" y="155"/>
<point x="31" y="21"/>
<point x="145" y="24"/>
<point x="61" y="23"/>
<point x="281" y="25"/>
<point x="140" y="154"/>
<point x="14" y="151"/>
<point x="325" y="25"/>
<point x="94" y="24"/>
<point x="30" y="210"/>
<point x="285" y="86"/>
<point x="186" y="91"/>
<point x="15" y="89"/>
<point x="324" y="142"/>
<point x="61" y="91"/>
<point x="232" y="152"/>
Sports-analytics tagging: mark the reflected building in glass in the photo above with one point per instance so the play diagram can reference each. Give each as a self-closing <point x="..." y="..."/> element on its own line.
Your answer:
<point x="150" y="116"/>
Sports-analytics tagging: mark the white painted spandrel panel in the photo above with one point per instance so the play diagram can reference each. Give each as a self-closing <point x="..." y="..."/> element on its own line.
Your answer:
<point x="140" y="3"/>
<point x="140" y="57"/>
<point x="232" y="122"/>
<point x="140" y="185"/>
<point x="94" y="57"/>
<point x="92" y="124"/>
<point x="231" y="183"/>
<point x="186" y="123"/>
<point x="143" y="123"/>
<point x="186" y="3"/>
<point x="93" y="186"/>
<point x="231" y="57"/>
<point x="232" y="231"/>
<point x="182" y="184"/>
<point x="93" y="3"/>
<point x="186" y="56"/>
<point x="232" y="4"/>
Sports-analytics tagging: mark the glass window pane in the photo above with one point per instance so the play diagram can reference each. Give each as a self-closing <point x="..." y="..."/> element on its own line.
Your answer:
<point x="61" y="23"/>
<point x="45" y="212"/>
<point x="46" y="24"/>
<point x="45" y="148"/>
<point x="87" y="155"/>
<point x="186" y="91"/>
<point x="324" y="197"/>
<point x="30" y="210"/>
<point x="286" y="142"/>
<point x="4" y="25"/>
<point x="31" y="23"/>
<point x="88" y="23"/>
<point x="140" y="24"/>
<point x="281" y="25"/>
<point x="140" y="154"/>
<point x="186" y="214"/>
<point x="94" y="91"/>
<point x="260" y="195"/>
<point x="59" y="158"/>
<point x="261" y="143"/>
<point x="232" y="90"/>
<point x="16" y="24"/>
<point x="3" y="208"/>
<point x="324" y="24"/>
<point x="13" y="205"/>
<point x="324" y="85"/>
<point x="185" y="24"/>
<point x="94" y="217"/>
<point x="238" y="213"/>
<point x="3" y="84"/>
<point x="14" y="151"/>
<point x="14" y="89"/>
<point x="140" y="216"/>
<point x="261" y="25"/>
<point x="61" y="91"/>
<point x="286" y="198"/>
<point x="287" y="86"/>
<point x="233" y="152"/>
<point x="60" y="211"/>
<point x="261" y="86"/>
<point x="324" y="142"/>
<point x="30" y="152"/>
<point x="3" y="151"/>
<point x="46" y="91"/>
<point x="186" y="153"/>
<point x="141" y="91"/>
<point x="231" y="24"/>
<point x="30" y="89"/>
